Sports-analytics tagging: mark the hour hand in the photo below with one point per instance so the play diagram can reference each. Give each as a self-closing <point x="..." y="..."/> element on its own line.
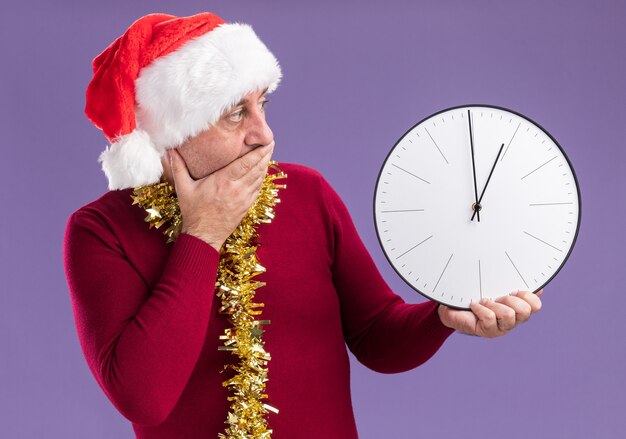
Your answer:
<point x="488" y="178"/>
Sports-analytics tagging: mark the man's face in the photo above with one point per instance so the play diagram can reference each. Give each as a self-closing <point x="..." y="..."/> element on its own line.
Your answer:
<point x="239" y="130"/>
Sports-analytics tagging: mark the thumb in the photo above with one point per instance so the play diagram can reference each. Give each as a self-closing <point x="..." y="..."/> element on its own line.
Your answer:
<point x="180" y="173"/>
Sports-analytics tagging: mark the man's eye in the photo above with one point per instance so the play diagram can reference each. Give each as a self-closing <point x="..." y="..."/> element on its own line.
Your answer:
<point x="263" y="103"/>
<point x="236" y="116"/>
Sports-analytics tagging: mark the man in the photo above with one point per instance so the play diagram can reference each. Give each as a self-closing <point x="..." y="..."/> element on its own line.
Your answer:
<point x="182" y="100"/>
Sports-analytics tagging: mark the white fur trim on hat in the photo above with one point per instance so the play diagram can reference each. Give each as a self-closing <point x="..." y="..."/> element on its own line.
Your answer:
<point x="185" y="92"/>
<point x="131" y="161"/>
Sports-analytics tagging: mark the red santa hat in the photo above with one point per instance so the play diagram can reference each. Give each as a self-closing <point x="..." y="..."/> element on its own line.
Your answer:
<point x="167" y="79"/>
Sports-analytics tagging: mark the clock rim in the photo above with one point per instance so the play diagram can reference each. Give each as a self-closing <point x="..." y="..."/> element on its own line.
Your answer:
<point x="578" y="194"/>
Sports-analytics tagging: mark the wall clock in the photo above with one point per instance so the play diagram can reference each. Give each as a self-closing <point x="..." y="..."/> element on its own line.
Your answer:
<point x="476" y="201"/>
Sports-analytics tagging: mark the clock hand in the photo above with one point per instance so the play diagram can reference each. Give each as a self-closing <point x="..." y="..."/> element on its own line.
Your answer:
<point x="476" y="205"/>
<point x="488" y="178"/>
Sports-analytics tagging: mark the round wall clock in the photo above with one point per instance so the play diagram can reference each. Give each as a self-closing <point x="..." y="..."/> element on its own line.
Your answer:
<point x="476" y="201"/>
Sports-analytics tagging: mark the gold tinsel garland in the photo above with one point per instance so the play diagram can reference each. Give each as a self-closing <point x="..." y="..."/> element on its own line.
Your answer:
<point x="236" y="288"/>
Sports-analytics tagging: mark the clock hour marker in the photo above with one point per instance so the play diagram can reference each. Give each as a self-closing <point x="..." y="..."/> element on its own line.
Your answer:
<point x="513" y="137"/>
<point x="410" y="173"/>
<point x="403" y="210"/>
<point x="444" y="270"/>
<point x="543" y="241"/>
<point x="538" y="168"/>
<point x="420" y="243"/>
<point x="480" y="280"/>
<point x="514" y="266"/>
<point x="431" y="138"/>
<point x="548" y="204"/>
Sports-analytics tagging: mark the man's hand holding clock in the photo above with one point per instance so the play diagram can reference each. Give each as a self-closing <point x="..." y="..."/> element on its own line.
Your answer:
<point x="492" y="318"/>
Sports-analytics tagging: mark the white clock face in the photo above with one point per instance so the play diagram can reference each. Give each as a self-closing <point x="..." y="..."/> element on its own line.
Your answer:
<point x="427" y="217"/>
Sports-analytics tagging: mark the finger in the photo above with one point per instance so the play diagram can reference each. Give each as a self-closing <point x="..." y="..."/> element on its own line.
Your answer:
<point x="257" y="173"/>
<point x="247" y="162"/>
<point x="532" y="299"/>
<point x="521" y="307"/>
<point x="487" y="325"/>
<point x="180" y="173"/>
<point x="460" y="320"/>
<point x="505" y="315"/>
<point x="539" y="293"/>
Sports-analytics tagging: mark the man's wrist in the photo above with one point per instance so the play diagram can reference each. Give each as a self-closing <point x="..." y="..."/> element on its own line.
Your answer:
<point x="211" y="241"/>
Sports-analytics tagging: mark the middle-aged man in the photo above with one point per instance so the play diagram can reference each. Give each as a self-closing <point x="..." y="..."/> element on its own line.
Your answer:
<point x="166" y="321"/>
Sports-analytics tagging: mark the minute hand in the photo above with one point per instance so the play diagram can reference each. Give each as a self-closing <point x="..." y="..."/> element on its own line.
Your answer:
<point x="488" y="178"/>
<point x="471" y="135"/>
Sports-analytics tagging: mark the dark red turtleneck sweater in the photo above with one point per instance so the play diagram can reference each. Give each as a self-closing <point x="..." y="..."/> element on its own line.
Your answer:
<point x="148" y="321"/>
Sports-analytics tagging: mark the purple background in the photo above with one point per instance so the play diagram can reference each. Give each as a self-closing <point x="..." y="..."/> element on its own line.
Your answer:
<point x="356" y="76"/>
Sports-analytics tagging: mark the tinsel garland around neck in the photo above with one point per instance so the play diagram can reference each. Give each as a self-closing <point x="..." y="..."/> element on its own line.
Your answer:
<point x="235" y="287"/>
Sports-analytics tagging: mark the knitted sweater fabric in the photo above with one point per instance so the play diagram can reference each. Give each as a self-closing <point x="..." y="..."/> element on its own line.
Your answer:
<point x="148" y="319"/>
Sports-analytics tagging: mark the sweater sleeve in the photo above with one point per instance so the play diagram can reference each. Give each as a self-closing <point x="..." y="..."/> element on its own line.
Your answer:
<point x="385" y="333"/>
<point x="140" y="345"/>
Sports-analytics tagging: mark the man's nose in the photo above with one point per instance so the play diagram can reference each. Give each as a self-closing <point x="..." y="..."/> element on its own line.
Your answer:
<point x="258" y="131"/>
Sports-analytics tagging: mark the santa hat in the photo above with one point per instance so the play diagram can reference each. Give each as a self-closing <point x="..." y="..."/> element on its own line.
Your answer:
<point x="167" y="79"/>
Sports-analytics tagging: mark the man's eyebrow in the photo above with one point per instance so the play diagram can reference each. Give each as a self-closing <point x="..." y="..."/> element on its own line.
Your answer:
<point x="245" y="101"/>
